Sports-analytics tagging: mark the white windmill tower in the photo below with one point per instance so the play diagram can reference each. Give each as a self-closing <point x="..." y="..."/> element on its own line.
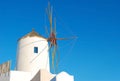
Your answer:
<point x="32" y="53"/>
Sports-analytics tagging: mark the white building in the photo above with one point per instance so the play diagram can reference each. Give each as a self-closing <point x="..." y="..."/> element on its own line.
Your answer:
<point x="33" y="61"/>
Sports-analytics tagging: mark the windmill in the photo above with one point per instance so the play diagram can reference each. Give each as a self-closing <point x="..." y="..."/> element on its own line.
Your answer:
<point x="52" y="39"/>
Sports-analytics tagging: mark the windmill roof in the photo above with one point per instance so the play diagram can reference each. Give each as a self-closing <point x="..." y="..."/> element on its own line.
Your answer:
<point x="33" y="33"/>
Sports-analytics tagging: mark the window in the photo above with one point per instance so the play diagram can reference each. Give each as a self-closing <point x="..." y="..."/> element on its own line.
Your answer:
<point x="35" y="49"/>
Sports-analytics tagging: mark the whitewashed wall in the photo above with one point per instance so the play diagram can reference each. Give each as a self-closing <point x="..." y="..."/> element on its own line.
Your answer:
<point x="20" y="76"/>
<point x="63" y="76"/>
<point x="16" y="76"/>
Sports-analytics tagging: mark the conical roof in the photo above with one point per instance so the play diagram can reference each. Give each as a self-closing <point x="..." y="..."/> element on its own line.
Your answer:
<point x="33" y="33"/>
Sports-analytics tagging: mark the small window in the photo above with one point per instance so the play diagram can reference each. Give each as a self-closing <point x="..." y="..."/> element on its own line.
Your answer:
<point x="35" y="49"/>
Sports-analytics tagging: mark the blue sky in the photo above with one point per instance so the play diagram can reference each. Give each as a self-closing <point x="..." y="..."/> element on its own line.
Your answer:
<point x="94" y="56"/>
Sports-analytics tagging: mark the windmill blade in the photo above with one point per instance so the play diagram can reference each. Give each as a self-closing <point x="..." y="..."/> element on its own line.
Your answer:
<point x="51" y="19"/>
<point x="66" y="38"/>
<point x="46" y="31"/>
<point x="53" y="58"/>
<point x="49" y="13"/>
<point x="55" y="27"/>
<point x="57" y="58"/>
